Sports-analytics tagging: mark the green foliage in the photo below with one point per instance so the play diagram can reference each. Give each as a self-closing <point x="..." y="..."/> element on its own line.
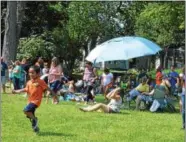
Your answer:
<point x="162" y="22"/>
<point x="34" y="46"/>
<point x="68" y="29"/>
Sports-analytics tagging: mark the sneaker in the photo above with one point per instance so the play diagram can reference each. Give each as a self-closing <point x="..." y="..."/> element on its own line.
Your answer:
<point x="36" y="129"/>
<point x="34" y="123"/>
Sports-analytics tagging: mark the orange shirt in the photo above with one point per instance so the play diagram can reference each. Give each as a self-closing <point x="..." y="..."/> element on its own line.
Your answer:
<point x="158" y="78"/>
<point x="35" y="89"/>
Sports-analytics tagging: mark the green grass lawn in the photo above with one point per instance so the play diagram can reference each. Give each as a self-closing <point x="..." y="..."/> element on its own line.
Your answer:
<point x="65" y="123"/>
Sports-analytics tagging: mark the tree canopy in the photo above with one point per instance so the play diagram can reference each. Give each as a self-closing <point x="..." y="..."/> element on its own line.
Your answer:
<point x="66" y="29"/>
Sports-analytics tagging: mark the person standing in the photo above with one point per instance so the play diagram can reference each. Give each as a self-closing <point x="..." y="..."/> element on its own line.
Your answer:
<point x="24" y="72"/>
<point x="159" y="76"/>
<point x="17" y="75"/>
<point x="89" y="78"/>
<point x="54" y="79"/>
<point x="173" y="76"/>
<point x="107" y="80"/>
<point x="183" y="102"/>
<point x="4" y="67"/>
<point x="40" y="64"/>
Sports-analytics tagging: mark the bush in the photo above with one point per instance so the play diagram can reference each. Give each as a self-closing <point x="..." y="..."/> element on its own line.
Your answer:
<point x="34" y="46"/>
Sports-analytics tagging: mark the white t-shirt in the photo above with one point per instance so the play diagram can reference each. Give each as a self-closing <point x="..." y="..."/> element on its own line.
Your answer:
<point x="107" y="78"/>
<point x="45" y="71"/>
<point x="115" y="105"/>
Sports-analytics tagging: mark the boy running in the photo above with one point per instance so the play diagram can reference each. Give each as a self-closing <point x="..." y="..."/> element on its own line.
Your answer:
<point x="34" y="88"/>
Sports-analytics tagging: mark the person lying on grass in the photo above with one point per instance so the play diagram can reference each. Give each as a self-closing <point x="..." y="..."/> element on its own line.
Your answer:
<point x="112" y="107"/>
<point x="34" y="88"/>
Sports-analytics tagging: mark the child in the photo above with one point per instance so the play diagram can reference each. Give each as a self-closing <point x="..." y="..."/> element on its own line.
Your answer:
<point x="71" y="90"/>
<point x="45" y="70"/>
<point x="34" y="88"/>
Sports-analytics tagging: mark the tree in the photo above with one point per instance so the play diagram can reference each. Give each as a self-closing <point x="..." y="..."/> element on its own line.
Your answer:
<point x="35" y="46"/>
<point x="157" y="22"/>
<point x="13" y="24"/>
<point x="9" y="45"/>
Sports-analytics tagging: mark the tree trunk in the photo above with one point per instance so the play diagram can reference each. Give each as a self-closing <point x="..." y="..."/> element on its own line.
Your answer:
<point x="20" y="15"/>
<point x="165" y="58"/>
<point x="9" y="44"/>
<point x="173" y="56"/>
<point x="149" y="62"/>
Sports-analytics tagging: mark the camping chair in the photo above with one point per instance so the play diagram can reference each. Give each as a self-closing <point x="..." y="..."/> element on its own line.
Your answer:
<point x="160" y="96"/>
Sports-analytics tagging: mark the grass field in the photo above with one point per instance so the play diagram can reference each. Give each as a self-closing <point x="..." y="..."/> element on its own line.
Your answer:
<point x="65" y="123"/>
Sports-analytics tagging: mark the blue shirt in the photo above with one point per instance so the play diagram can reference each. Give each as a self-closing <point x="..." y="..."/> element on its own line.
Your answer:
<point x="172" y="78"/>
<point x="4" y="67"/>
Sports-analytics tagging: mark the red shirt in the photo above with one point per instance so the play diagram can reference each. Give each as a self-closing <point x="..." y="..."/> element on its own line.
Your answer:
<point x="158" y="78"/>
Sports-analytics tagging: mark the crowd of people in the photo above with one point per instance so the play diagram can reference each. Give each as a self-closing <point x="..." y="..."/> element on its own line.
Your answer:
<point x="37" y="77"/>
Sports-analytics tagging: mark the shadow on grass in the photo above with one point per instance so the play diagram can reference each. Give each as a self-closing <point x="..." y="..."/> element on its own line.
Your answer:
<point x="123" y="113"/>
<point x="54" y="134"/>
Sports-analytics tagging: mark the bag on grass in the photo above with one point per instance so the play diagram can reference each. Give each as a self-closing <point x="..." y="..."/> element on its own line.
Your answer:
<point x="155" y="105"/>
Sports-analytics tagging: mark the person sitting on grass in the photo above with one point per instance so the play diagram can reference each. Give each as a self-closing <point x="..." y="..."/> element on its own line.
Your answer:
<point x="69" y="94"/>
<point x="112" y="107"/>
<point x="141" y="88"/>
<point x="148" y="97"/>
<point x="34" y="88"/>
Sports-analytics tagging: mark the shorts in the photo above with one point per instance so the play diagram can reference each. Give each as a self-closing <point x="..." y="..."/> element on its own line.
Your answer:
<point x="146" y="98"/>
<point x="3" y="80"/>
<point x="112" y="111"/>
<point x="31" y="107"/>
<point x="55" y="86"/>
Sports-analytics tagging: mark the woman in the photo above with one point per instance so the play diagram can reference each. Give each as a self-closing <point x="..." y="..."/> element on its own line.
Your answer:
<point x="17" y="75"/>
<point x="107" y="80"/>
<point x="54" y="79"/>
<point x="89" y="78"/>
<point x="112" y="107"/>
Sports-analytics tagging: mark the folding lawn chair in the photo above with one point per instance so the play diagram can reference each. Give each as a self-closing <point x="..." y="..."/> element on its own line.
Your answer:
<point x="165" y="102"/>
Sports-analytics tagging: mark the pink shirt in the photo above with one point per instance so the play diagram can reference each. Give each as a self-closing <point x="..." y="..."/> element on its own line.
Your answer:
<point x="88" y="74"/>
<point x="53" y="77"/>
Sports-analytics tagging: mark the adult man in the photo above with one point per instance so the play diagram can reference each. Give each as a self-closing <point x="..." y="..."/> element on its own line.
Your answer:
<point x="4" y="67"/>
<point x="173" y="79"/>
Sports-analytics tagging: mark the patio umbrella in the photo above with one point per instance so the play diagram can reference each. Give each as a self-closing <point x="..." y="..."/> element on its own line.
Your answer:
<point x="123" y="48"/>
